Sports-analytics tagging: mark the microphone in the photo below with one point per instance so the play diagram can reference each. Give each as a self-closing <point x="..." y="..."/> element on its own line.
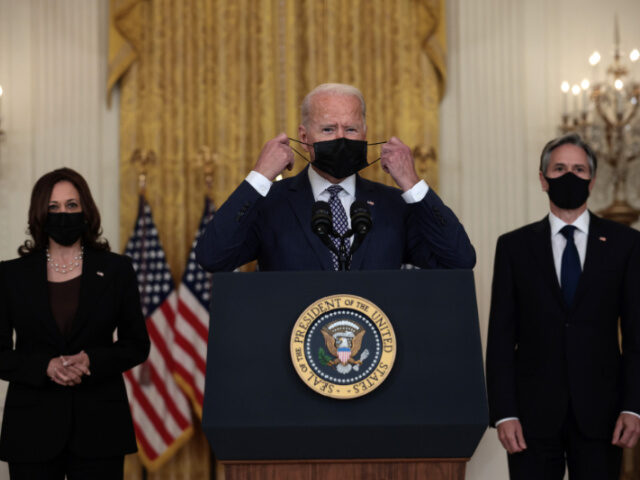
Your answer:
<point x="322" y="224"/>
<point x="321" y="220"/>
<point x="360" y="223"/>
<point x="360" y="218"/>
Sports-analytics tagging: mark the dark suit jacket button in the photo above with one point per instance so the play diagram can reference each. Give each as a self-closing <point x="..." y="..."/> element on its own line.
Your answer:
<point x="567" y="325"/>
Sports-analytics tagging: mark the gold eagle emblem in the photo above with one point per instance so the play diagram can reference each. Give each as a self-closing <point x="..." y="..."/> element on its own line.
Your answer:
<point x="343" y="339"/>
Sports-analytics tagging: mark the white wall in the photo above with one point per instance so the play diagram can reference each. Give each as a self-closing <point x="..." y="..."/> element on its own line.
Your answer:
<point x="506" y="61"/>
<point x="53" y="61"/>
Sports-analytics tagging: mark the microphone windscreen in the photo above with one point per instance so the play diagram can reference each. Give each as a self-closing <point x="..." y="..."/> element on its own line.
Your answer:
<point x="321" y="221"/>
<point x="360" y="217"/>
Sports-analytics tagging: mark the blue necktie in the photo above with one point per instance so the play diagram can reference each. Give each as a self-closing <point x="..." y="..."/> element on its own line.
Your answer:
<point x="340" y="223"/>
<point x="570" y="269"/>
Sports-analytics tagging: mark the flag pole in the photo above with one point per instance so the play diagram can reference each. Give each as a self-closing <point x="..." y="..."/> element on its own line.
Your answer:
<point x="141" y="159"/>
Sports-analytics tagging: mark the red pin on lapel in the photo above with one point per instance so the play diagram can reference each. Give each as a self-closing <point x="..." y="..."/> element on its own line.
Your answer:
<point x="602" y="239"/>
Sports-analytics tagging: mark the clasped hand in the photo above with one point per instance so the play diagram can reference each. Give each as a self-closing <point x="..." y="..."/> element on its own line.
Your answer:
<point x="68" y="371"/>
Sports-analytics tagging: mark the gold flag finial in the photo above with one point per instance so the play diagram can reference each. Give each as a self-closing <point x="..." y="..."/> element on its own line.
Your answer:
<point x="141" y="159"/>
<point x="421" y="155"/>
<point x="209" y="162"/>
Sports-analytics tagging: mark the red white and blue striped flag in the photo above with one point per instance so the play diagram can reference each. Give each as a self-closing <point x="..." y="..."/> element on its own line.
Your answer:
<point x="160" y="410"/>
<point x="192" y="322"/>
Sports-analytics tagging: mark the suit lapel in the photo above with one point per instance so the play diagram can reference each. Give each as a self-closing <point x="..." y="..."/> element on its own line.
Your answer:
<point x="543" y="254"/>
<point x="364" y="191"/>
<point x="301" y="199"/>
<point x="593" y="258"/>
<point x="89" y="289"/>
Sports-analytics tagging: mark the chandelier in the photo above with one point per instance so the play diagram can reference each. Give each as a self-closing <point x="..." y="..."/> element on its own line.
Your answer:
<point x="604" y="111"/>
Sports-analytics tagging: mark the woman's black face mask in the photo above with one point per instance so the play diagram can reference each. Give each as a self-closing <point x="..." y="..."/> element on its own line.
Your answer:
<point x="340" y="157"/>
<point x="65" y="228"/>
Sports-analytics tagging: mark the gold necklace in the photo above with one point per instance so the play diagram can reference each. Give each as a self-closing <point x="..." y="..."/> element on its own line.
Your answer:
<point x="63" y="267"/>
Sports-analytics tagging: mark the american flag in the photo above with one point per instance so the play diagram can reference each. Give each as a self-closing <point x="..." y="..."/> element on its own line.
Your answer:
<point x="192" y="322"/>
<point x="160" y="410"/>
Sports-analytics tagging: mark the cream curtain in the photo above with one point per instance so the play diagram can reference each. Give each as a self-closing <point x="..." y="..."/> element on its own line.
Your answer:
<point x="230" y="75"/>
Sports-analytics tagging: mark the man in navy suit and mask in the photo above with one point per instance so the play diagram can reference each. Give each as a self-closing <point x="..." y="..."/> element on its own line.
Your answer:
<point x="271" y="222"/>
<point x="562" y="391"/>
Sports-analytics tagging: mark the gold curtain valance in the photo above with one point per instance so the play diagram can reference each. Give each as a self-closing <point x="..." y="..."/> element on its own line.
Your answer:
<point x="231" y="75"/>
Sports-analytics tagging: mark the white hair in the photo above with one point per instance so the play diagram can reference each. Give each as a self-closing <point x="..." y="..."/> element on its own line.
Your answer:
<point x="334" y="89"/>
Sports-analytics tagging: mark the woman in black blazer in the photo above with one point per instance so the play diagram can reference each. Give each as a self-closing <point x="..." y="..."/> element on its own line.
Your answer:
<point x="66" y="410"/>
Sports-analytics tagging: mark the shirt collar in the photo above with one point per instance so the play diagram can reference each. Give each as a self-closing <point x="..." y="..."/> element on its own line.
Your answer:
<point x="581" y="223"/>
<point x="320" y="184"/>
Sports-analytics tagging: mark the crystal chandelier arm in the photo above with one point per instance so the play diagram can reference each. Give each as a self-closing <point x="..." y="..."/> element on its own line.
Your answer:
<point x="631" y="114"/>
<point x="602" y="114"/>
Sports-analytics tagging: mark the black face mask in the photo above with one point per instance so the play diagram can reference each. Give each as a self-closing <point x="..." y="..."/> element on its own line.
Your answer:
<point x="340" y="157"/>
<point x="568" y="191"/>
<point x="65" y="228"/>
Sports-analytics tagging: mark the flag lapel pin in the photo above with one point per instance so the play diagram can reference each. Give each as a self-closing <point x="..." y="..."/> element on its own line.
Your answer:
<point x="99" y="273"/>
<point x="602" y="239"/>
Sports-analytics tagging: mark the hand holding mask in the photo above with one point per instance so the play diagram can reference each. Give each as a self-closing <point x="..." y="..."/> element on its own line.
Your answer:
<point x="396" y="159"/>
<point x="276" y="155"/>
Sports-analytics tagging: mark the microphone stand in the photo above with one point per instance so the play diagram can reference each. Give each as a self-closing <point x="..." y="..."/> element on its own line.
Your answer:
<point x="322" y="226"/>
<point x="344" y="258"/>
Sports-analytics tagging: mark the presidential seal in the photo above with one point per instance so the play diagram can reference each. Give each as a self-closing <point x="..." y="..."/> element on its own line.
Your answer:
<point x="343" y="346"/>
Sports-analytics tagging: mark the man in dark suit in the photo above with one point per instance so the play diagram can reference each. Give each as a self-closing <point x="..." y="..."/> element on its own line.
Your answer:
<point x="271" y="222"/>
<point x="561" y="391"/>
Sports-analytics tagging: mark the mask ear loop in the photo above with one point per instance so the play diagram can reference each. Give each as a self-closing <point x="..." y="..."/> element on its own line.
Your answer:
<point x="303" y="143"/>
<point x="371" y="145"/>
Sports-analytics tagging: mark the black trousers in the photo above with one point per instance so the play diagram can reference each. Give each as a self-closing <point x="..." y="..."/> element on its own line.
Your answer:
<point x="586" y="458"/>
<point x="69" y="464"/>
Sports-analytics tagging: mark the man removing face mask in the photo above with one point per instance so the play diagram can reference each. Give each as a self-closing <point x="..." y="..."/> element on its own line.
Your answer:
<point x="271" y="222"/>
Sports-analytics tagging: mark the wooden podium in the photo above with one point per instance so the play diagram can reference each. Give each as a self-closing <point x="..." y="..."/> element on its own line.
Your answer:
<point x="371" y="469"/>
<point x="423" y="422"/>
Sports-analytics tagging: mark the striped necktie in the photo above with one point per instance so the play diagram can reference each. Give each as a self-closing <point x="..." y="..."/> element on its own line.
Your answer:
<point x="340" y="223"/>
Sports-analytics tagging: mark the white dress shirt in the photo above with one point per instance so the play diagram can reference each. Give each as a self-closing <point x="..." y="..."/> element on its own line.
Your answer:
<point x="558" y="242"/>
<point x="347" y="196"/>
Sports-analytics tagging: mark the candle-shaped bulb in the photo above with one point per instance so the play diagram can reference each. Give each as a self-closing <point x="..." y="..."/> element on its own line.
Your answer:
<point x="585" y="84"/>
<point x="619" y="84"/>
<point x="565" y="87"/>
<point x="594" y="59"/>
<point x="634" y="55"/>
<point x="575" y="89"/>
